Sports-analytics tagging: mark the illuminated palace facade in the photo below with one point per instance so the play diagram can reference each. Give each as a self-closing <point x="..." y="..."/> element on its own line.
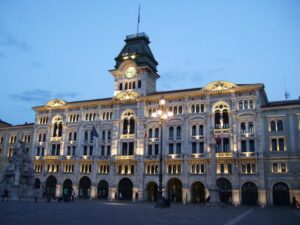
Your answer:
<point x="223" y="137"/>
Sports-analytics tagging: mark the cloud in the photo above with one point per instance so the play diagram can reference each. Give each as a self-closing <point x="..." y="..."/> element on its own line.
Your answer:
<point x="41" y="96"/>
<point x="8" y="40"/>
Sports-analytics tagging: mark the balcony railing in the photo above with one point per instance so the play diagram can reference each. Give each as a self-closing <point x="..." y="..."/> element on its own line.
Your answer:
<point x="224" y="154"/>
<point x="124" y="157"/>
<point x="196" y="155"/>
<point x="51" y="157"/>
<point x="175" y="156"/>
<point x="151" y="157"/>
<point x="127" y="136"/>
<point x="248" y="154"/>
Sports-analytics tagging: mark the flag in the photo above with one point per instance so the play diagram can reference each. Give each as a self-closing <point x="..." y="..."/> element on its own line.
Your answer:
<point x="94" y="133"/>
<point x="218" y="139"/>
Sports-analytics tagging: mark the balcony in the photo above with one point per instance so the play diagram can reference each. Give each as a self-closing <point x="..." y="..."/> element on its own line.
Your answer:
<point x="197" y="137"/>
<point x="224" y="154"/>
<point x="51" y="157"/>
<point x="153" y="139"/>
<point x="87" y="157"/>
<point x="127" y="136"/>
<point x="56" y="138"/>
<point x="175" y="156"/>
<point x="151" y="157"/>
<point x="222" y="131"/>
<point x="248" y="154"/>
<point x="124" y="157"/>
<point x="196" y="155"/>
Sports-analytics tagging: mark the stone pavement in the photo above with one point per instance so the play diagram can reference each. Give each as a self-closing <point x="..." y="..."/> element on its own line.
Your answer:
<point x="119" y="213"/>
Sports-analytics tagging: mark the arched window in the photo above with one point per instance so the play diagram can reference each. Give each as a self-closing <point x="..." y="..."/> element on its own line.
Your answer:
<point x="225" y="119"/>
<point x="175" y="110"/>
<point x="251" y="104"/>
<point x="218" y="120"/>
<point x="251" y="127"/>
<point x="149" y="112"/>
<point x="109" y="135"/>
<point x="243" y="128"/>
<point x="120" y="86"/>
<point x="178" y="132"/>
<point x="57" y="128"/>
<point x="139" y="84"/>
<point x="132" y="126"/>
<point x="246" y="106"/>
<point x="193" y="109"/>
<point x="273" y="125"/>
<point x="126" y="86"/>
<point x="194" y="130"/>
<point x="197" y="108"/>
<point x="129" y="86"/>
<point x="283" y="168"/>
<point x="103" y="135"/>
<point x="171" y="132"/>
<point x="86" y="135"/>
<point x="279" y="125"/>
<point x="128" y="123"/>
<point x="240" y="104"/>
<point x="275" y="168"/>
<point x="133" y="85"/>
<point x="156" y="133"/>
<point x="201" y="130"/>
<point x="150" y="133"/>
<point x="180" y="109"/>
<point x="125" y="126"/>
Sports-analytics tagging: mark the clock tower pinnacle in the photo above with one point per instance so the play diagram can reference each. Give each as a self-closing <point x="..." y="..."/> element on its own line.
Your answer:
<point x="135" y="70"/>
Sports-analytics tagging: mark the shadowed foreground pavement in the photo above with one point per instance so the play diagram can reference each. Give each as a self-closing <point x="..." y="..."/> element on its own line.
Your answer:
<point x="102" y="212"/>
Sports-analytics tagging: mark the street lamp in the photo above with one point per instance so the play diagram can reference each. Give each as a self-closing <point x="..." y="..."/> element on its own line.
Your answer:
<point x="162" y="113"/>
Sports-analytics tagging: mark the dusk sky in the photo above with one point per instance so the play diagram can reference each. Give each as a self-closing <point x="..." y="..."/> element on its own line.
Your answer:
<point x="64" y="49"/>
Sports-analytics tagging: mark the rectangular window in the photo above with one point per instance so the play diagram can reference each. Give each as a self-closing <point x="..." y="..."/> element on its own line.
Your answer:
<point x="171" y="150"/>
<point x="201" y="147"/>
<point x="274" y="145"/>
<point x="252" y="146"/>
<point x="69" y="150"/>
<point x="226" y="146"/>
<point x="85" y="150"/>
<point x="102" y="150"/>
<point x="281" y="144"/>
<point x="178" y="148"/>
<point x="194" y="147"/>
<point x="91" y="150"/>
<point x="149" y="149"/>
<point x="243" y="146"/>
<point x="156" y="149"/>
<point x="131" y="148"/>
<point x="108" y="150"/>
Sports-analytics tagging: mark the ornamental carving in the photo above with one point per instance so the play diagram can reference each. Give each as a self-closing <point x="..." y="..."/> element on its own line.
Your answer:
<point x="220" y="86"/>
<point x="56" y="103"/>
<point x="127" y="95"/>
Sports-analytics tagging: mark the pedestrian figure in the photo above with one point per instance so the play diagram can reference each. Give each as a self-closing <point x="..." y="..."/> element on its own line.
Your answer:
<point x="73" y="195"/>
<point x="186" y="198"/>
<point x="5" y="195"/>
<point x="120" y="196"/>
<point x="136" y="196"/>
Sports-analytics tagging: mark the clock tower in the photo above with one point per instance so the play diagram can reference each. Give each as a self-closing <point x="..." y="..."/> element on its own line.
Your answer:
<point x="135" y="71"/>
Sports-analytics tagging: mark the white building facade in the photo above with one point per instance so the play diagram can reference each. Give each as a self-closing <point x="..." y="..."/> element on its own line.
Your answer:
<point x="223" y="137"/>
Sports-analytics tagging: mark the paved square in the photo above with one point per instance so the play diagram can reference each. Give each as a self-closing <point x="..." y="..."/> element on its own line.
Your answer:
<point x="113" y="213"/>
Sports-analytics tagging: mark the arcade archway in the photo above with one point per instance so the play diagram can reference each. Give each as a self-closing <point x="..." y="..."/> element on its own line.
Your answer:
<point x="51" y="186"/>
<point x="249" y="194"/>
<point x="102" y="189"/>
<point x="152" y="191"/>
<point x="67" y="189"/>
<point x="225" y="190"/>
<point x="198" y="193"/>
<point x="125" y="189"/>
<point x="84" y="187"/>
<point x="175" y="190"/>
<point x="281" y="194"/>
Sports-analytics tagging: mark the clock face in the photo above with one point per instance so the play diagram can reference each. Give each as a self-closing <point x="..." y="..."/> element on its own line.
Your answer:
<point x="130" y="72"/>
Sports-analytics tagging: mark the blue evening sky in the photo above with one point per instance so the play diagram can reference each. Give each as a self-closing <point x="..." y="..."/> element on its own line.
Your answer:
<point x="64" y="49"/>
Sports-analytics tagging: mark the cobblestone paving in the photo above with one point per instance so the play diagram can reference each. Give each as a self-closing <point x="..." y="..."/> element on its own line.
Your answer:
<point x="115" y="213"/>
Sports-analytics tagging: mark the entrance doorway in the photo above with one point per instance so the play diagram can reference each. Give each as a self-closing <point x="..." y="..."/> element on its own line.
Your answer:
<point x="175" y="190"/>
<point x="152" y="191"/>
<point x="125" y="189"/>
<point x="102" y="189"/>
<point x="281" y="194"/>
<point x="85" y="187"/>
<point x="198" y="193"/>
<point x="249" y="194"/>
<point x="67" y="189"/>
<point x="225" y="190"/>
<point x="51" y="186"/>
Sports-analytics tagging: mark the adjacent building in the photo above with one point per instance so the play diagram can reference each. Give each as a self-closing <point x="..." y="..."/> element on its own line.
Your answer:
<point x="222" y="136"/>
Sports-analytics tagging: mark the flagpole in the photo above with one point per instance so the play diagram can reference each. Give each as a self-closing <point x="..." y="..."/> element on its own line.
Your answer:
<point x="138" y="22"/>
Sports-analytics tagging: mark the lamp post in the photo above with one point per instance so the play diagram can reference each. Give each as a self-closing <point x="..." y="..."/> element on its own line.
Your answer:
<point x="162" y="113"/>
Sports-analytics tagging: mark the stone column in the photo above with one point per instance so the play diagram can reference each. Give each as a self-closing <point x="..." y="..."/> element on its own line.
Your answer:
<point x="236" y="197"/>
<point x="93" y="192"/>
<point x="112" y="193"/>
<point x="185" y="195"/>
<point x="262" y="197"/>
<point x="213" y="190"/>
<point x="58" y="191"/>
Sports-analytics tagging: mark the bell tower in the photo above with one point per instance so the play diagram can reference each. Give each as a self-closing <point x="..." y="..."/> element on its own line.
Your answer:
<point x="135" y="70"/>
